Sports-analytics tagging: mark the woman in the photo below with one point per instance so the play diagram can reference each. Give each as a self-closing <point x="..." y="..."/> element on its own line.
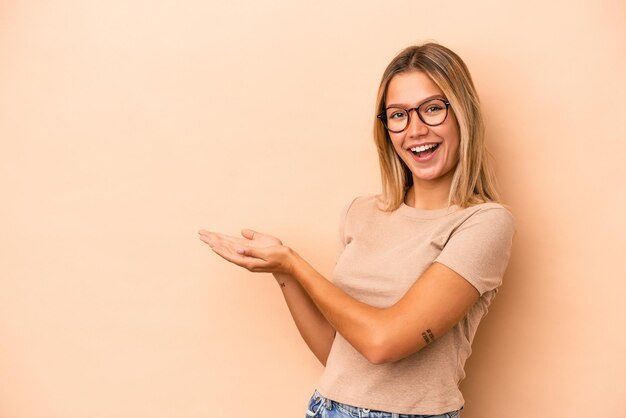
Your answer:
<point x="420" y="263"/>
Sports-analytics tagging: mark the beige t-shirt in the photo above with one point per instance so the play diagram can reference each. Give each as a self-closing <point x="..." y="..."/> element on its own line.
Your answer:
<point x="383" y="253"/>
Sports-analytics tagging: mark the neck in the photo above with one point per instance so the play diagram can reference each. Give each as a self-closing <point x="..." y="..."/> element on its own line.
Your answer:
<point x="429" y="194"/>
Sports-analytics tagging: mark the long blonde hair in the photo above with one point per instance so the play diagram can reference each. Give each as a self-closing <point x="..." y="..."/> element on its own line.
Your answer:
<point x="473" y="181"/>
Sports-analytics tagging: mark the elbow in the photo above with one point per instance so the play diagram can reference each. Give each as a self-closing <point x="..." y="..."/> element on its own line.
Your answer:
<point x="387" y="350"/>
<point x="376" y="358"/>
<point x="385" y="342"/>
<point x="379" y="351"/>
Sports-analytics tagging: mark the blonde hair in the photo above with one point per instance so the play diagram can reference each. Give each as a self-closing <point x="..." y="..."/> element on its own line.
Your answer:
<point x="473" y="181"/>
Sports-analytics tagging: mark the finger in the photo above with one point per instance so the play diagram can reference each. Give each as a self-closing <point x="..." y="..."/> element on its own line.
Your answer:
<point x="253" y="252"/>
<point x="220" y="238"/>
<point x="207" y="240"/>
<point x="225" y="246"/>
<point x="248" y="233"/>
<point x="230" y="239"/>
<point x="228" y="254"/>
<point x="235" y="257"/>
<point x="206" y="235"/>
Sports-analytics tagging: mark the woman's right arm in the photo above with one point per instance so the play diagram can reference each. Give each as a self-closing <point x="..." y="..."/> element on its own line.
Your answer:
<point x="312" y="325"/>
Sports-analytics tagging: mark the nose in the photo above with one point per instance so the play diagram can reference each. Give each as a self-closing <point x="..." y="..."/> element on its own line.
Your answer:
<point x="416" y="126"/>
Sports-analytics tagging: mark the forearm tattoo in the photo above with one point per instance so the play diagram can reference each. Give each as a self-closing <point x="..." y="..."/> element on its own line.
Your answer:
<point x="283" y="284"/>
<point x="428" y="336"/>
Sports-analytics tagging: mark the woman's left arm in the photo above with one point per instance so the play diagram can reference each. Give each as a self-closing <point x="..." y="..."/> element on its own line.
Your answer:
<point x="433" y="304"/>
<point x="438" y="300"/>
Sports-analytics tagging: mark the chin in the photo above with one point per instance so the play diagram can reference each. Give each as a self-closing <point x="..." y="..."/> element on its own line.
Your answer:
<point x="427" y="176"/>
<point x="432" y="175"/>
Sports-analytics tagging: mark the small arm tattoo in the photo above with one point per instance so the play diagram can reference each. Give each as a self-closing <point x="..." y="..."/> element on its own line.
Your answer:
<point x="283" y="284"/>
<point x="428" y="336"/>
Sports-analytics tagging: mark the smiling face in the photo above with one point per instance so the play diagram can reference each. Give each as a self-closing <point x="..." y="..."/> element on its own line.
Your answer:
<point x="430" y="152"/>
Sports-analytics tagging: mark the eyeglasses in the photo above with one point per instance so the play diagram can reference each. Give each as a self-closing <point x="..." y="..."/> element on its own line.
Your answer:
<point x="432" y="113"/>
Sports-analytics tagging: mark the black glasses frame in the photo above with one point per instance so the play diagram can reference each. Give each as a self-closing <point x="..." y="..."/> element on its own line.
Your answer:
<point x="383" y="115"/>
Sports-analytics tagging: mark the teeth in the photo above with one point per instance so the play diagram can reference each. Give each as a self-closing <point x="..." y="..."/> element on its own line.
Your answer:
<point x="423" y="147"/>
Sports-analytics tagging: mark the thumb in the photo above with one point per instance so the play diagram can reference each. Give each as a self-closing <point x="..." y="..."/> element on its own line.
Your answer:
<point x="253" y="252"/>
<point x="248" y="233"/>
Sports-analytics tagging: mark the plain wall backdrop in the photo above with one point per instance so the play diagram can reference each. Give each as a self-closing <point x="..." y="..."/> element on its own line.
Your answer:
<point x="126" y="126"/>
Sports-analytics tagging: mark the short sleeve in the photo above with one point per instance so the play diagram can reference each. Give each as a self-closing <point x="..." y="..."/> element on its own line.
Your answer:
<point x="342" y="241"/>
<point x="479" y="248"/>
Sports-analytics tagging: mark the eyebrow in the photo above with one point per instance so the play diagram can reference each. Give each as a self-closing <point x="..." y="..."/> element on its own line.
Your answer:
<point x="434" y="96"/>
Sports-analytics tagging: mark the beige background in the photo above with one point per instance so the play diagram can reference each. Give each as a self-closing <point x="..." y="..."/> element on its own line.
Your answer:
<point x="126" y="126"/>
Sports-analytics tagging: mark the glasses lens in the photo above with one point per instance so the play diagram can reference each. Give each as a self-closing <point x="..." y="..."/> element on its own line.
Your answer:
<point x="396" y="119"/>
<point x="433" y="112"/>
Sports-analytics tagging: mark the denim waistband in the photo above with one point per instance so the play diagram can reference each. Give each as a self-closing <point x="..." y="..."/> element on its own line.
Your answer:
<point x="358" y="412"/>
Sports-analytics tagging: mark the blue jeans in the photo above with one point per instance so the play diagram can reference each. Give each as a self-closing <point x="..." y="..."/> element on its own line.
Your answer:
<point x="321" y="407"/>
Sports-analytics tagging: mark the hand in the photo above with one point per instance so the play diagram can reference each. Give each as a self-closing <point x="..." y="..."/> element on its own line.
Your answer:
<point x="255" y="252"/>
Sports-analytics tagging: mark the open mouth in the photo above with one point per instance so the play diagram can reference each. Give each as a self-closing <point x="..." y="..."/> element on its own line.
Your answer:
<point x="424" y="150"/>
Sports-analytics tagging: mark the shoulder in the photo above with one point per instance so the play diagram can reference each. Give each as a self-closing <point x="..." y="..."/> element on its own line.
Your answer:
<point x="487" y="206"/>
<point x="363" y="204"/>
<point x="355" y="214"/>
<point x="360" y="212"/>
<point x="479" y="244"/>
<point x="486" y="221"/>
<point x="489" y="212"/>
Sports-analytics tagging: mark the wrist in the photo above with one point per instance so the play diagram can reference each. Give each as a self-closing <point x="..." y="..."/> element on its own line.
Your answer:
<point x="291" y="262"/>
<point x="282" y="279"/>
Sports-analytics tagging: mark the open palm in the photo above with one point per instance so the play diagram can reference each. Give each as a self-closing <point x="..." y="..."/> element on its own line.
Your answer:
<point x="250" y="239"/>
<point x="254" y="251"/>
